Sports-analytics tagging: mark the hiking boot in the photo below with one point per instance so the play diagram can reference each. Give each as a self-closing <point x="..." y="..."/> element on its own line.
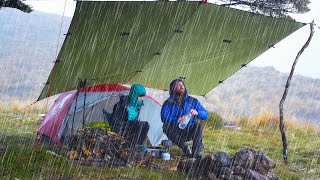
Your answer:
<point x="198" y="156"/>
<point x="202" y="147"/>
<point x="188" y="152"/>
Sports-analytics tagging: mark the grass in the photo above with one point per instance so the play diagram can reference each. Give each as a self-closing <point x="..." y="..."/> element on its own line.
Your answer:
<point x="261" y="132"/>
<point x="19" y="159"/>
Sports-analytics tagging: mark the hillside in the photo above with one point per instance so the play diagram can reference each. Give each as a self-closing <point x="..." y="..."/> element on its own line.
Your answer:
<point x="29" y="45"/>
<point x="253" y="90"/>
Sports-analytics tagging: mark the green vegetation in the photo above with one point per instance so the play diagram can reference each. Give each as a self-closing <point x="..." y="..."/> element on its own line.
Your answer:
<point x="103" y="126"/>
<point x="21" y="159"/>
<point x="215" y="121"/>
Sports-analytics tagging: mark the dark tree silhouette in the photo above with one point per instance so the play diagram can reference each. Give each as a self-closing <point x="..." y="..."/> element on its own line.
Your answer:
<point x="18" y="4"/>
<point x="271" y="7"/>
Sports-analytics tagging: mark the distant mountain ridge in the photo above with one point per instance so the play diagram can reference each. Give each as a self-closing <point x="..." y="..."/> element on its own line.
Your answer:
<point x="29" y="45"/>
<point x="254" y="89"/>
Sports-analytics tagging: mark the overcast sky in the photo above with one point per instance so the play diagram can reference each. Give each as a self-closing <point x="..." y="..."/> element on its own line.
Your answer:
<point x="281" y="57"/>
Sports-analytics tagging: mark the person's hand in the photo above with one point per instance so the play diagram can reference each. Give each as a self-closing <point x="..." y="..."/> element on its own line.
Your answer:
<point x="181" y="119"/>
<point x="194" y="112"/>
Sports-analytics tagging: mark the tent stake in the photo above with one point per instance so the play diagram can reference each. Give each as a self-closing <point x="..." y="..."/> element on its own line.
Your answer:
<point x="281" y="125"/>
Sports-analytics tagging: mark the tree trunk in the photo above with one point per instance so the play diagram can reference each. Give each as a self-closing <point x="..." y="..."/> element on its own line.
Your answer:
<point x="281" y="125"/>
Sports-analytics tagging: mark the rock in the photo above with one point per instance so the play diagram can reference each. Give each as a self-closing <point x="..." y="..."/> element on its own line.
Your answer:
<point x="238" y="170"/>
<point x="201" y="167"/>
<point x="194" y="168"/>
<point x="215" y="161"/>
<point x="222" y="159"/>
<point x="262" y="163"/>
<point x="204" y="166"/>
<point x="186" y="165"/>
<point x="235" y="177"/>
<point x="166" y="143"/>
<point x="246" y="164"/>
<point x="244" y="158"/>
<point x="212" y="163"/>
<point x="211" y="176"/>
<point x="224" y="173"/>
<point x="272" y="176"/>
<point x="317" y="152"/>
<point x="253" y="175"/>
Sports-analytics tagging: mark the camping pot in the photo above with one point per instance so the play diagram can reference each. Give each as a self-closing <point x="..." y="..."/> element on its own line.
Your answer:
<point x="166" y="143"/>
<point x="161" y="152"/>
<point x="165" y="156"/>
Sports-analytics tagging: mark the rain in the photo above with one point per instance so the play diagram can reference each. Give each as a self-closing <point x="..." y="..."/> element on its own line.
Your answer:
<point x="66" y="65"/>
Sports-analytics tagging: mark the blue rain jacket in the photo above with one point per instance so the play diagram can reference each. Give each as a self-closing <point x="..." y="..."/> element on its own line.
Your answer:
<point x="171" y="110"/>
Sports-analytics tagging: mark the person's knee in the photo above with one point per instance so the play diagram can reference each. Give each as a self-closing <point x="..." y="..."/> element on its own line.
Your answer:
<point x="168" y="129"/>
<point x="146" y="125"/>
<point x="165" y="128"/>
<point x="199" y="127"/>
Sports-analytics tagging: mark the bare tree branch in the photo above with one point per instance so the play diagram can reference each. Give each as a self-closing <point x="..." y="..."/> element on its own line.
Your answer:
<point x="281" y="125"/>
<point x="269" y="7"/>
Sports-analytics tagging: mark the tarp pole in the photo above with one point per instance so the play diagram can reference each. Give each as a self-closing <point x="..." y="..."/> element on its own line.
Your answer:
<point x="84" y="101"/>
<point x="75" y="105"/>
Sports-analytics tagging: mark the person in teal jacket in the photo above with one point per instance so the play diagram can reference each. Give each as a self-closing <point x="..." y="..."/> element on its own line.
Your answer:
<point x="124" y="118"/>
<point x="174" y="111"/>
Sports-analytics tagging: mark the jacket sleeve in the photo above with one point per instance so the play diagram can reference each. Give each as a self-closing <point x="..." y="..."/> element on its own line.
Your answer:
<point x="202" y="112"/>
<point x="166" y="112"/>
<point x="118" y="114"/>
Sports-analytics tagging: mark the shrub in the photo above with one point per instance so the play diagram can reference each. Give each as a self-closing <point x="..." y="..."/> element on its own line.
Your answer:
<point x="103" y="126"/>
<point x="215" y="121"/>
<point x="243" y="121"/>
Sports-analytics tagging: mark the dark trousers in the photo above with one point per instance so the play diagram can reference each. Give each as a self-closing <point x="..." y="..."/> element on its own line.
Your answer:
<point x="134" y="131"/>
<point x="181" y="136"/>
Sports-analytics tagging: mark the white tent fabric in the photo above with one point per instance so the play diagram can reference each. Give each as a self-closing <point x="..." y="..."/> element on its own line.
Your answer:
<point x="95" y="102"/>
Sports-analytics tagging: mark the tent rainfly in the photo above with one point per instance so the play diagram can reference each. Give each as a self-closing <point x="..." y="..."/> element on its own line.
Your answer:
<point x="69" y="111"/>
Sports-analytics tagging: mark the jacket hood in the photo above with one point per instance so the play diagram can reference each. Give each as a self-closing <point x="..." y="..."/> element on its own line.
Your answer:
<point x="136" y="90"/>
<point x="172" y="85"/>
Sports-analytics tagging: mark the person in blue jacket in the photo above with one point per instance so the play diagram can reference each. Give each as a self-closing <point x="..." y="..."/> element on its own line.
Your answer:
<point x="174" y="111"/>
<point x="124" y="118"/>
